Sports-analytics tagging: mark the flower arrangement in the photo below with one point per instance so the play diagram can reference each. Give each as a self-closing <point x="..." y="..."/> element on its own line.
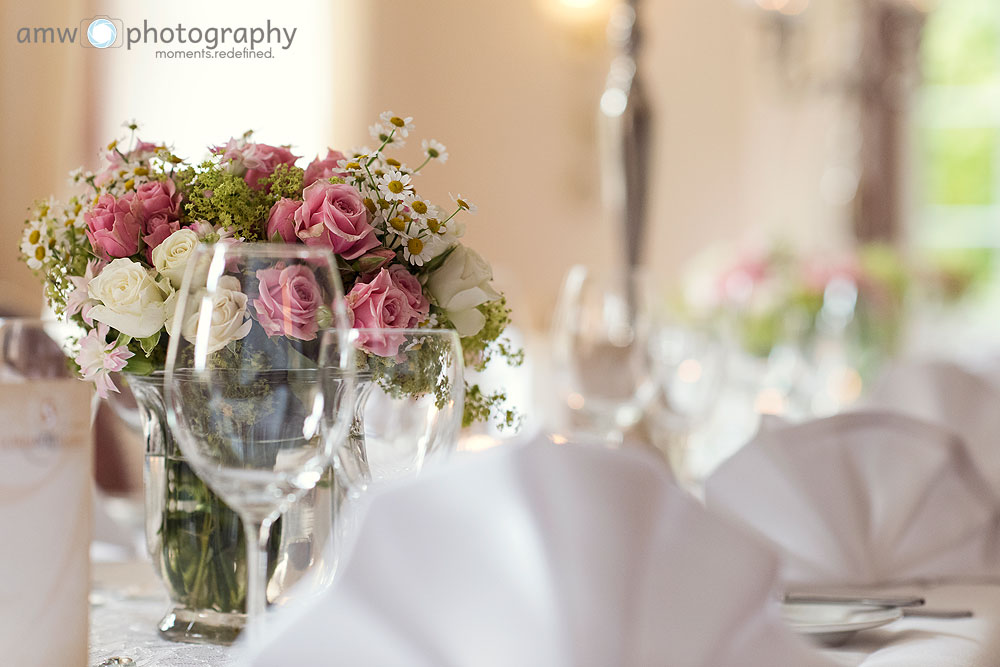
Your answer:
<point x="113" y="256"/>
<point x="767" y="296"/>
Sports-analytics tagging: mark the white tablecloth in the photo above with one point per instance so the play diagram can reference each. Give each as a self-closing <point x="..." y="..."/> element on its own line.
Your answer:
<point x="127" y="602"/>
<point x="926" y="642"/>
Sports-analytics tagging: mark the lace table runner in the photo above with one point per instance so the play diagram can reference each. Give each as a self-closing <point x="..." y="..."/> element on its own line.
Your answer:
<point x="126" y="603"/>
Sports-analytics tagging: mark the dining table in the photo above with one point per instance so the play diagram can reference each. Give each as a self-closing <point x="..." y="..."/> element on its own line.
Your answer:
<point x="127" y="602"/>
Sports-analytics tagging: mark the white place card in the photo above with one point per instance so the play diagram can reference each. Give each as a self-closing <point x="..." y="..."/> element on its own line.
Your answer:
<point x="46" y="458"/>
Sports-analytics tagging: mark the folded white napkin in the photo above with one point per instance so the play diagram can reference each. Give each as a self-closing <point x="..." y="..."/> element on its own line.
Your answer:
<point x="945" y="393"/>
<point x="862" y="499"/>
<point x="543" y="555"/>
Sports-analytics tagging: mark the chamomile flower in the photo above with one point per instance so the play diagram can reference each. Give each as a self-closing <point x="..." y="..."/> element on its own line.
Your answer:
<point x="354" y="166"/>
<point x="401" y="125"/>
<point x="76" y="176"/>
<point x="395" y="164"/>
<point x="435" y="150"/>
<point x="463" y="203"/>
<point x="387" y="136"/>
<point x="416" y="251"/>
<point x="394" y="185"/>
<point x="47" y="208"/>
<point x="419" y="207"/>
<point x="35" y="244"/>
<point x="400" y="224"/>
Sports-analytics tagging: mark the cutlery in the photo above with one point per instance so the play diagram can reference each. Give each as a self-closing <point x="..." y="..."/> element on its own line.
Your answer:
<point x="937" y="613"/>
<point x="874" y="601"/>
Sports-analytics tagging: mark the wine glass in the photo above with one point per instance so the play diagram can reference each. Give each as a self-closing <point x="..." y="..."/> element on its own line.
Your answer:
<point x="690" y="366"/>
<point x="258" y="393"/>
<point x="601" y="353"/>
<point x="410" y="407"/>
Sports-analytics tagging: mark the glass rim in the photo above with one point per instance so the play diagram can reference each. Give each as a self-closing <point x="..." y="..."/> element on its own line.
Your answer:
<point x="264" y="248"/>
<point x="406" y="330"/>
<point x="354" y="334"/>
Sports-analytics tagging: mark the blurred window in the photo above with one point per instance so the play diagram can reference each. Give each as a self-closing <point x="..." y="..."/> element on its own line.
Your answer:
<point x="958" y="128"/>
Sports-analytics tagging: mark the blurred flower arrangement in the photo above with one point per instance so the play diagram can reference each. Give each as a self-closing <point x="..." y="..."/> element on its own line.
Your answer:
<point x="774" y="295"/>
<point x="114" y="254"/>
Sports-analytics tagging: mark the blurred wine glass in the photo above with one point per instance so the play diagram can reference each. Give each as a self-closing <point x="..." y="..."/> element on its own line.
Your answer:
<point x="601" y="352"/>
<point x="411" y="401"/>
<point x="690" y="368"/>
<point x="258" y="397"/>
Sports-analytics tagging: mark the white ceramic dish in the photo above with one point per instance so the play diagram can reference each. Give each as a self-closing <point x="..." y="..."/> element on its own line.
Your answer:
<point x="834" y="624"/>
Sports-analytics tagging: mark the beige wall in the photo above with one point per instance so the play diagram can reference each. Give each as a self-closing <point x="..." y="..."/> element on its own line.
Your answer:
<point x="513" y="94"/>
<point x="44" y="106"/>
<point x="514" y="99"/>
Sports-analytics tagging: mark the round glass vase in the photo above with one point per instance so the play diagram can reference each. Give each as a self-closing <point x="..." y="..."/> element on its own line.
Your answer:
<point x="196" y="541"/>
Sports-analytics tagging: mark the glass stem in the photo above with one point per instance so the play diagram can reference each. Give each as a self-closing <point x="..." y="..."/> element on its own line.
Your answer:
<point x="258" y="531"/>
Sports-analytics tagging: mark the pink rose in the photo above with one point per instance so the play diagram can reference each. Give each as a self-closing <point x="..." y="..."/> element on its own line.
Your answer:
<point x="381" y="304"/>
<point x="157" y="198"/>
<point x="334" y="216"/>
<point x="323" y="170"/>
<point x="288" y="300"/>
<point x="112" y="228"/>
<point x="281" y="220"/>
<point x="261" y="160"/>
<point x="156" y="204"/>
<point x="413" y="290"/>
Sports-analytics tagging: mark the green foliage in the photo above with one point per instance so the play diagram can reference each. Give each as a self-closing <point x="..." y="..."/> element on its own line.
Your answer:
<point x="481" y="406"/>
<point x="213" y="194"/>
<point x="285" y="182"/>
<point x="479" y="351"/>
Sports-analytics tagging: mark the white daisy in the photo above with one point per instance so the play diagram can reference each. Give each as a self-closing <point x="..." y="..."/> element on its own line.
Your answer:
<point x="463" y="203"/>
<point x="393" y="163"/>
<point x="419" y="207"/>
<point x="394" y="185"/>
<point x="387" y="136"/>
<point x="35" y="244"/>
<point x="378" y="132"/>
<point x="76" y="176"/>
<point x="355" y="166"/>
<point x="435" y="150"/>
<point x="416" y="251"/>
<point x="401" y="125"/>
<point x="74" y="217"/>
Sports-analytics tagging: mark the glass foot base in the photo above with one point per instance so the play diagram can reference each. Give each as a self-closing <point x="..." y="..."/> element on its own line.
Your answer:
<point x="201" y="627"/>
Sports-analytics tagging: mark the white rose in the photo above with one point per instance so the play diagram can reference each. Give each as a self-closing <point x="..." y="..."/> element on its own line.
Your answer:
<point x="229" y="314"/>
<point x="171" y="257"/>
<point x="460" y="284"/>
<point x="130" y="300"/>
